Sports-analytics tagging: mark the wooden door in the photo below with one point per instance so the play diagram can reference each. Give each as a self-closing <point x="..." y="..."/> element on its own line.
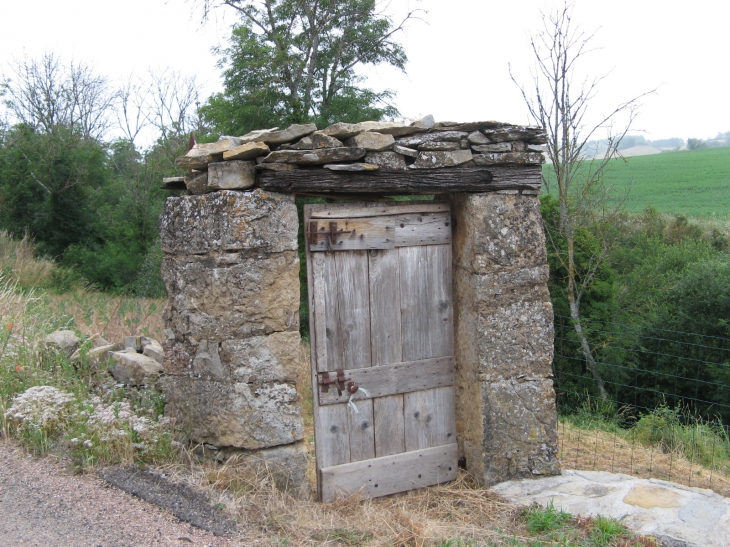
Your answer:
<point x="381" y="317"/>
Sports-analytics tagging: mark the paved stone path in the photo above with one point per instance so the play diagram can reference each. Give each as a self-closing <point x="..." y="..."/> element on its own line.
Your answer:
<point x="650" y="507"/>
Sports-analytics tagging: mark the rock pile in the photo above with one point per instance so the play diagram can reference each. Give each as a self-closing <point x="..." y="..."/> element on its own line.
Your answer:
<point x="232" y="163"/>
<point x="137" y="360"/>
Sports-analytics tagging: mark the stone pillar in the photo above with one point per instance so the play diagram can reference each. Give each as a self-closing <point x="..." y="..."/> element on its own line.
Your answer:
<point x="503" y="330"/>
<point x="232" y="344"/>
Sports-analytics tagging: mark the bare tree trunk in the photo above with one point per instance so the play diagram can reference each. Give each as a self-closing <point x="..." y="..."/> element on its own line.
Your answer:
<point x="584" y="345"/>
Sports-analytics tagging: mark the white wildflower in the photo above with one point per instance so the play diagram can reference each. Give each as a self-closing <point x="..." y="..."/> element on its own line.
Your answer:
<point x="40" y="406"/>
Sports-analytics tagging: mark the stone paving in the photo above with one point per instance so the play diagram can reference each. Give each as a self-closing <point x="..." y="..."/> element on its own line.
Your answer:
<point x="649" y="507"/>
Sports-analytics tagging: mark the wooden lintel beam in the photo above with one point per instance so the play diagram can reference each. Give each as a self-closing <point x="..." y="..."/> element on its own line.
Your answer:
<point x="412" y="181"/>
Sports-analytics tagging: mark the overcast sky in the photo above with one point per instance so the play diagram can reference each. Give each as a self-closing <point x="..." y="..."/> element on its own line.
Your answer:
<point x="458" y="55"/>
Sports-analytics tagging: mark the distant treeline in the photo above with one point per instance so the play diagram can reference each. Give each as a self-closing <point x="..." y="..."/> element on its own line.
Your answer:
<point x="598" y="147"/>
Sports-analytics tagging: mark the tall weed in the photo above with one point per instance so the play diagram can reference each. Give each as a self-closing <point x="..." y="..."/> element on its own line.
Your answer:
<point x="19" y="264"/>
<point x="679" y="430"/>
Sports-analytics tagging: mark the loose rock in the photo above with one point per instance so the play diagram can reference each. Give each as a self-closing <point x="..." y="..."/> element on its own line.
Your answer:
<point x="134" y="369"/>
<point x="197" y="183"/>
<point x="316" y="140"/>
<point x="341" y="130"/>
<point x="447" y="136"/>
<point x="469" y="126"/>
<point x="231" y="175"/>
<point x="509" y="158"/>
<point x="372" y="142"/>
<point x="291" y="133"/>
<point x="154" y="350"/>
<point x="427" y="122"/>
<point x="246" y="151"/>
<point x="391" y="128"/>
<point x="410" y="152"/>
<point x="439" y="145"/>
<point x="219" y="147"/>
<point x="315" y="157"/>
<point x="532" y="135"/>
<point x="489" y="148"/>
<point x="387" y="160"/>
<point x="251" y="136"/>
<point x="477" y="137"/>
<point x="433" y="160"/>
<point x="198" y="162"/>
<point x="64" y="341"/>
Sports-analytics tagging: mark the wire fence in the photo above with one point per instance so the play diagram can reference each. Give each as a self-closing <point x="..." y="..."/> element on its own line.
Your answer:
<point x="667" y="405"/>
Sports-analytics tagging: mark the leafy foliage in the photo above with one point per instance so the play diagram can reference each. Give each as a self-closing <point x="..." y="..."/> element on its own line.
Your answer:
<point x="293" y="62"/>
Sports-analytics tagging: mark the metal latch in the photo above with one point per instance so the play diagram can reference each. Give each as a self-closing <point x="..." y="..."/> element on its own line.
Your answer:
<point x="313" y="230"/>
<point x="325" y="380"/>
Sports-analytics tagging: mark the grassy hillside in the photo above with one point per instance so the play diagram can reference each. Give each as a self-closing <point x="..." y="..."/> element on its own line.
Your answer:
<point x="691" y="182"/>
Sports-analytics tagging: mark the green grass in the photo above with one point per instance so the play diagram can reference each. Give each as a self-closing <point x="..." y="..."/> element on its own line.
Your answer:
<point x="550" y="526"/>
<point x="690" y="182"/>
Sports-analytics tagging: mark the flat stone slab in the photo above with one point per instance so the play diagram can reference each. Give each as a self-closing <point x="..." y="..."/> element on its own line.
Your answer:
<point x="649" y="507"/>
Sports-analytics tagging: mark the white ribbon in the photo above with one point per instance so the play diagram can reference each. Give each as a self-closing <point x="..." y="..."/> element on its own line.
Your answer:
<point x="351" y="404"/>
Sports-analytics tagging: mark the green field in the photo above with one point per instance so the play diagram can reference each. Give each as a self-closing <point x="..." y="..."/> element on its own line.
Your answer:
<point x="692" y="182"/>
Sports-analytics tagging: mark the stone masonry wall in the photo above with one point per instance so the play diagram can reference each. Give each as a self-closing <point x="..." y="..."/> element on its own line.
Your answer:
<point x="232" y="344"/>
<point x="505" y="401"/>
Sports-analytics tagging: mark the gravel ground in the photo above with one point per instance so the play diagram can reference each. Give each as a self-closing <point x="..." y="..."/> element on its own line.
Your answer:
<point x="43" y="504"/>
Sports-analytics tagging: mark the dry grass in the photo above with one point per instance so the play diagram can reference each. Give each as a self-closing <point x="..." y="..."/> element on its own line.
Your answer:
<point x="19" y="263"/>
<point x="424" y="517"/>
<point x="599" y="450"/>
<point x="114" y="317"/>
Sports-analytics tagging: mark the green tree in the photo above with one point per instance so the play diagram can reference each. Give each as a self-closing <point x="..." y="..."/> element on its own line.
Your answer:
<point x="46" y="180"/>
<point x="295" y="61"/>
<point x="696" y="144"/>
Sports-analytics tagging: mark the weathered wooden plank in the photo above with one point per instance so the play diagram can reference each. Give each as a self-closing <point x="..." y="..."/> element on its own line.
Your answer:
<point x="385" y="340"/>
<point x="361" y="431"/>
<point x="332" y="436"/>
<point x="317" y="310"/>
<point x="353" y="234"/>
<point x="414" y="305"/>
<point x="422" y="229"/>
<point x="430" y="418"/>
<point x="421" y="181"/>
<point x="353" y="296"/>
<point x="391" y="474"/>
<point x="389" y="422"/>
<point x="440" y="301"/>
<point x="333" y="327"/>
<point x="406" y="377"/>
<point x="381" y="210"/>
<point x="385" y="327"/>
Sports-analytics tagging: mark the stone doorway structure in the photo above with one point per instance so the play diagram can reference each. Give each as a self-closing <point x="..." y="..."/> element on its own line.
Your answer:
<point x="232" y="271"/>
